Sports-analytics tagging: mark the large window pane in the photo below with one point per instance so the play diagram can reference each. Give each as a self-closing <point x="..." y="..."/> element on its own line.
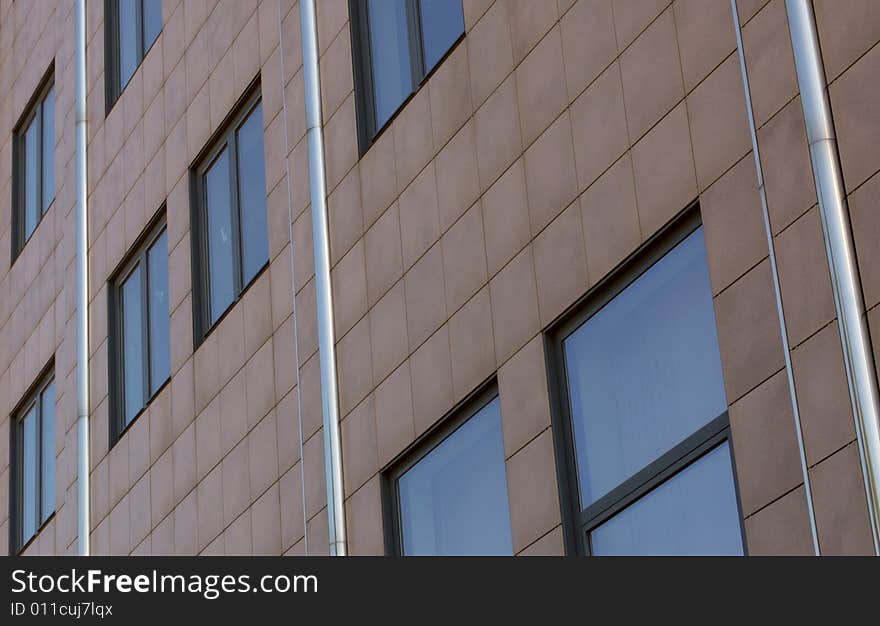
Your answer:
<point x="693" y="513"/>
<point x="454" y="500"/>
<point x="160" y="341"/>
<point x="152" y="21"/>
<point x="47" y="452"/>
<point x="132" y="342"/>
<point x="644" y="372"/>
<point x="252" y="195"/>
<point x="442" y="25"/>
<point x="221" y="280"/>
<point x="389" y="44"/>
<point x="48" y="149"/>
<point x="31" y="177"/>
<point x="128" y="40"/>
<point x="29" y="475"/>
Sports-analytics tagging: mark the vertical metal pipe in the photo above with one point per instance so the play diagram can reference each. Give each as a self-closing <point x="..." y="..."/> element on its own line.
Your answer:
<point x="302" y="473"/>
<point x="324" y="294"/>
<point x="774" y="271"/>
<point x="846" y="284"/>
<point x="82" y="290"/>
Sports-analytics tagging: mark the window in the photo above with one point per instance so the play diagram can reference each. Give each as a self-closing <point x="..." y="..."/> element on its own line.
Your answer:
<point x="398" y="43"/>
<point x="34" y="165"/>
<point x="140" y="341"/>
<point x="33" y="463"/>
<point x="132" y="27"/>
<point x="232" y="244"/>
<point x="449" y="497"/>
<point x="642" y="411"/>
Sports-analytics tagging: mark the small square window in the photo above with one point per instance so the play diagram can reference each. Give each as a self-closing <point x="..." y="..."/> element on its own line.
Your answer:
<point x="140" y="343"/>
<point x="449" y="495"/>
<point x="131" y="28"/>
<point x="34" y="166"/>
<point x="231" y="241"/>
<point x="397" y="44"/>
<point x="33" y="464"/>
<point x="642" y="410"/>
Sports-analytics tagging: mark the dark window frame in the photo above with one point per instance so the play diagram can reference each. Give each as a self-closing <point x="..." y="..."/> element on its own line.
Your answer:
<point x="32" y="398"/>
<point x="577" y="523"/>
<point x="362" y="61"/>
<point x="223" y="138"/>
<point x="112" y="76"/>
<point x="138" y="257"/>
<point x="33" y="108"/>
<point x="418" y="450"/>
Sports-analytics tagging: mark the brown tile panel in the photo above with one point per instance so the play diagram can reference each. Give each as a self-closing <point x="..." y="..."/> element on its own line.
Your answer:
<point x="840" y="505"/>
<point x="854" y="98"/>
<point x="431" y="371"/>
<point x="663" y="161"/>
<point x="733" y="224"/>
<point x="748" y="332"/>
<point x="769" y="60"/>
<point x="782" y="528"/>
<point x="514" y="305"/>
<point x="823" y="394"/>
<point x="540" y="83"/>
<point x="651" y="71"/>
<point x="525" y="403"/>
<point x="845" y="35"/>
<point x="598" y="124"/>
<point x="531" y="485"/>
<point x="865" y="220"/>
<point x="631" y="17"/>
<point x="785" y="161"/>
<point x="705" y="36"/>
<point x="610" y="219"/>
<point x="588" y="42"/>
<point x="765" y="444"/>
<point x="490" y="52"/>
<point x="719" y="123"/>
<point x="804" y="277"/>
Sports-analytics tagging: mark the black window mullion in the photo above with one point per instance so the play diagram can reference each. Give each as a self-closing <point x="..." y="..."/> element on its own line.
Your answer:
<point x="416" y="49"/>
<point x="18" y="496"/>
<point x="655" y="474"/>
<point x="145" y="326"/>
<point x="38" y="486"/>
<point x="203" y="278"/>
<point x="238" y="261"/>
<point x="38" y="160"/>
<point x="139" y="13"/>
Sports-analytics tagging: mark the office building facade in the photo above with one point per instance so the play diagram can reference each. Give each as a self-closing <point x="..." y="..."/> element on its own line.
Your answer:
<point x="566" y="318"/>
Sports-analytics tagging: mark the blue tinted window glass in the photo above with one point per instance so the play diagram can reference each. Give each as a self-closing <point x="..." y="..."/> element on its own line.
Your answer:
<point x="132" y="345"/>
<point x="221" y="278"/>
<point x="252" y="195"/>
<point x="48" y="149"/>
<point x="454" y="500"/>
<point x="644" y="373"/>
<point x="160" y="341"/>
<point x="29" y="502"/>
<point x="31" y="177"/>
<point x="128" y="41"/>
<point x="152" y="21"/>
<point x="389" y="45"/>
<point x="442" y="25"/>
<point x="692" y="513"/>
<point x="47" y="429"/>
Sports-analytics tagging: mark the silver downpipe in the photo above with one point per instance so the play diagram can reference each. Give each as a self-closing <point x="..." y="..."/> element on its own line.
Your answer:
<point x="323" y="290"/>
<point x="774" y="271"/>
<point x="302" y="474"/>
<point x="82" y="291"/>
<point x="846" y="285"/>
